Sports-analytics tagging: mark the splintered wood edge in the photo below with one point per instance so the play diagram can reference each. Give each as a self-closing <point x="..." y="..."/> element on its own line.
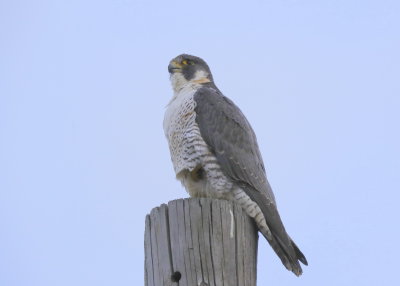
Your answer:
<point x="200" y="242"/>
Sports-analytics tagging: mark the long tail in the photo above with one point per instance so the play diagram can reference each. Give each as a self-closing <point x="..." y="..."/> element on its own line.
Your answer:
<point x="269" y="222"/>
<point x="289" y="254"/>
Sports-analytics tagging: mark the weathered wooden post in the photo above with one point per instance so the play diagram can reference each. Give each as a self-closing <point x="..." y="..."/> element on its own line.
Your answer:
<point x="200" y="242"/>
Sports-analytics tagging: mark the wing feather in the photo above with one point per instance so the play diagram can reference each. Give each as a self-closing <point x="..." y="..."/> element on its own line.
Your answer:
<point x="232" y="140"/>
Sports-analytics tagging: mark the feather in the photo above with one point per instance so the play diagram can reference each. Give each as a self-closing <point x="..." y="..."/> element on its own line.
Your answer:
<point x="233" y="142"/>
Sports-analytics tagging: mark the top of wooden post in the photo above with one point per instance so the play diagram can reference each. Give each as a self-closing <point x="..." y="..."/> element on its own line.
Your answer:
<point x="200" y="242"/>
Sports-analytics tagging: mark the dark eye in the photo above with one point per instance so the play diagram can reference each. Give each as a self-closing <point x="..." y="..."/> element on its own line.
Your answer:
<point x="187" y="62"/>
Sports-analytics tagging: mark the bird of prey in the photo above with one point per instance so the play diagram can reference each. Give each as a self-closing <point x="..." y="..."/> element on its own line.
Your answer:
<point x="215" y="153"/>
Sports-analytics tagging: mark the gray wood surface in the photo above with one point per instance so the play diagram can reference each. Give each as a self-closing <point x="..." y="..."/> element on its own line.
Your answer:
<point x="200" y="242"/>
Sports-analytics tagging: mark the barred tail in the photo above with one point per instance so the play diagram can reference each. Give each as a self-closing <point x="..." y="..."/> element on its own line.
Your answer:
<point x="290" y="255"/>
<point x="270" y="225"/>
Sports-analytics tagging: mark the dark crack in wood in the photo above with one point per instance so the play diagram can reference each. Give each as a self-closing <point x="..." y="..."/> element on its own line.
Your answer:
<point x="200" y="242"/>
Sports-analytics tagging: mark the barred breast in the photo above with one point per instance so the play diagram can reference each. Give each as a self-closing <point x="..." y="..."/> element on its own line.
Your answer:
<point x="194" y="164"/>
<point x="179" y="128"/>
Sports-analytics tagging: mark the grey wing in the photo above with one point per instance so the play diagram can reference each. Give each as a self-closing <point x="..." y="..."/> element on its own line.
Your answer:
<point x="232" y="140"/>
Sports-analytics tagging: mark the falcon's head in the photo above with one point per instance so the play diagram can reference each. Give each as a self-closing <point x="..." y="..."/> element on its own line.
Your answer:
<point x="187" y="69"/>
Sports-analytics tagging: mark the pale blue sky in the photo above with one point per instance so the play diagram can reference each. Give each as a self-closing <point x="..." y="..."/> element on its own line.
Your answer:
<point x="83" y="158"/>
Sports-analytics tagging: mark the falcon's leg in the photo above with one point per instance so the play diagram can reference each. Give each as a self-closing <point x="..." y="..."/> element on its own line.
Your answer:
<point x="195" y="181"/>
<point x="206" y="181"/>
<point x="253" y="210"/>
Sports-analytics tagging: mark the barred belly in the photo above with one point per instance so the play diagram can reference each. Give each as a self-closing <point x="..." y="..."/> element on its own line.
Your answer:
<point x="195" y="165"/>
<point x="207" y="178"/>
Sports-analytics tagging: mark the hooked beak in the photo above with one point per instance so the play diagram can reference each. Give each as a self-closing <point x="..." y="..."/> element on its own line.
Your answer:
<point x="174" y="67"/>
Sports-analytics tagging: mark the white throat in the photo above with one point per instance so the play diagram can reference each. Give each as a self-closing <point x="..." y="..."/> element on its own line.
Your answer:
<point x="179" y="82"/>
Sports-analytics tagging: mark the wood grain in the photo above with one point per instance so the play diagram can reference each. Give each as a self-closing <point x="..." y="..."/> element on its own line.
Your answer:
<point x="200" y="242"/>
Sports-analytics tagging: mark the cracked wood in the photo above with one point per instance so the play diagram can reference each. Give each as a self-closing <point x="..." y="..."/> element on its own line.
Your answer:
<point x="193" y="242"/>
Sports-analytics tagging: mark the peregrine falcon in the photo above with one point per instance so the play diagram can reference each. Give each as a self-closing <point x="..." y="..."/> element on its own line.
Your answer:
<point x="215" y="153"/>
